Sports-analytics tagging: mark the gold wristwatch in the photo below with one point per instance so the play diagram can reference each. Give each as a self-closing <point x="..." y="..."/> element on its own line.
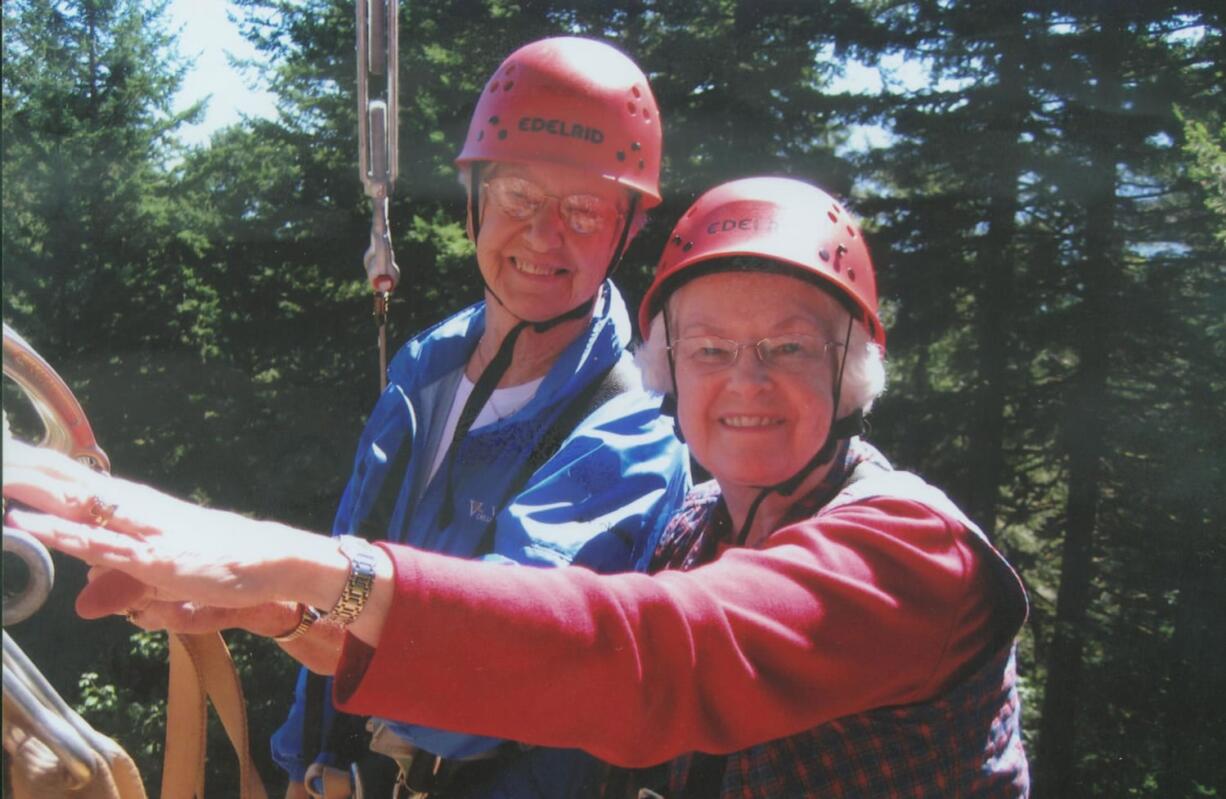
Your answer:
<point x="307" y="616"/>
<point x="361" y="580"/>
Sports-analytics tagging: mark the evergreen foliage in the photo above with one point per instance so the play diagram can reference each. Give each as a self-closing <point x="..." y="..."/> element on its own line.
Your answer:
<point x="1047" y="209"/>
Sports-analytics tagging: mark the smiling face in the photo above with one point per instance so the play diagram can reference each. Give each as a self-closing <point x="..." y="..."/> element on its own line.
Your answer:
<point x="541" y="266"/>
<point x="749" y="424"/>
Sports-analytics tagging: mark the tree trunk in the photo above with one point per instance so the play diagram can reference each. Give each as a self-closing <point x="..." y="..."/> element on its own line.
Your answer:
<point x="1006" y="115"/>
<point x="1083" y="433"/>
<point x="1195" y="754"/>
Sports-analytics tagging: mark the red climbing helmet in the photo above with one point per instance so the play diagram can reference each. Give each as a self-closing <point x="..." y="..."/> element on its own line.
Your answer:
<point x="779" y="219"/>
<point x="575" y="102"/>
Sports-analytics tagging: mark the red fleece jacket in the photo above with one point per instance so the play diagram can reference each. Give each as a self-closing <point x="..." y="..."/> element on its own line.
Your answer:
<point x="882" y="602"/>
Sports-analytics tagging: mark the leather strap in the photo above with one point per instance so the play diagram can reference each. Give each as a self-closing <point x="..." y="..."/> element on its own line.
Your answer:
<point x="200" y="668"/>
<point x="184" y="753"/>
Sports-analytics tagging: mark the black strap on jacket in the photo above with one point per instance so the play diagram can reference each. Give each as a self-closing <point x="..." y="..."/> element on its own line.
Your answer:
<point x="484" y="388"/>
<point x="616" y="380"/>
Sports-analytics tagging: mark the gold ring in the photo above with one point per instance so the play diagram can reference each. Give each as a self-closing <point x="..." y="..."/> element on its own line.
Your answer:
<point x="133" y="614"/>
<point x="100" y="513"/>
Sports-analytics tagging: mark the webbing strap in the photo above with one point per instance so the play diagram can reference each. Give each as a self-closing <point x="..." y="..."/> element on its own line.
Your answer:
<point x="482" y="391"/>
<point x="616" y="380"/>
<point x="184" y="752"/>
<point x="201" y="668"/>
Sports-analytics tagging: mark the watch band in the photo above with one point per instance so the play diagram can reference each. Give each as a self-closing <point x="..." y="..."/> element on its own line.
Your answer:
<point x="359" y="584"/>
<point x="307" y="616"/>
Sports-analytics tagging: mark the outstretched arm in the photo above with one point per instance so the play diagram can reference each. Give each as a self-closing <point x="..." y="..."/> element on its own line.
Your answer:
<point x="180" y="552"/>
<point x="113" y="593"/>
<point x="880" y="603"/>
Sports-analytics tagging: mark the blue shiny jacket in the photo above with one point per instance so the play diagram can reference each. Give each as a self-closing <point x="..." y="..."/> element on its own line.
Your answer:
<point x="608" y="490"/>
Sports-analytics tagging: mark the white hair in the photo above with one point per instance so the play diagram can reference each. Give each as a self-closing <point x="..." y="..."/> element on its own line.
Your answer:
<point x="863" y="371"/>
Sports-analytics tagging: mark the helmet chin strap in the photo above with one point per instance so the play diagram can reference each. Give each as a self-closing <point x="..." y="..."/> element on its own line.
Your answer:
<point x="668" y="405"/>
<point x="840" y="430"/>
<point x="483" y="389"/>
<point x="851" y="425"/>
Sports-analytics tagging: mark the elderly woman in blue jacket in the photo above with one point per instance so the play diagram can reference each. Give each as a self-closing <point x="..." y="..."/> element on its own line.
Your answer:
<point x="514" y="431"/>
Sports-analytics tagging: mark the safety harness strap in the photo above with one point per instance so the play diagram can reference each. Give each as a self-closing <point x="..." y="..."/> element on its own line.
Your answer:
<point x="840" y="429"/>
<point x="484" y="389"/>
<point x="430" y="773"/>
<point x="201" y="668"/>
<point x="615" y="381"/>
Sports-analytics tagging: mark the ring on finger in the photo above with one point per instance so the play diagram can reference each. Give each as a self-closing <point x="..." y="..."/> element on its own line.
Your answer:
<point x="100" y="512"/>
<point x="133" y="614"/>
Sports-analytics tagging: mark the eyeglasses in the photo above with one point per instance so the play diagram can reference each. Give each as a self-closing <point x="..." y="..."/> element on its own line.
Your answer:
<point x="520" y="198"/>
<point x="790" y="352"/>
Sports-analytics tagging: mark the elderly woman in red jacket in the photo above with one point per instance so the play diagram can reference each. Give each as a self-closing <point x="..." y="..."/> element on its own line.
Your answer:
<point x="814" y="623"/>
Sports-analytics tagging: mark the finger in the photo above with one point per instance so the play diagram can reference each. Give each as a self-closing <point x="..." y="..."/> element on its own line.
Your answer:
<point x="34" y="489"/>
<point x="93" y="545"/>
<point x="183" y="617"/>
<point x="42" y="489"/>
<point x="48" y="481"/>
<point x="20" y="456"/>
<point x="110" y="592"/>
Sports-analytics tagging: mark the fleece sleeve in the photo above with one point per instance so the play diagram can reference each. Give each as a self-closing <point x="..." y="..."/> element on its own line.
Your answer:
<point x="879" y="603"/>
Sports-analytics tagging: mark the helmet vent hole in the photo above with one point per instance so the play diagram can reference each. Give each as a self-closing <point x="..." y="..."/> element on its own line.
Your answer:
<point x="676" y="239"/>
<point x="646" y="114"/>
<point x="493" y="120"/>
<point x="636" y="91"/>
<point x="621" y="155"/>
<point x="824" y="254"/>
<point x="851" y="231"/>
<point x="509" y="86"/>
<point x="833" y="216"/>
<point x="511" y="70"/>
<point x="851" y="274"/>
<point x="480" y="135"/>
<point x="631" y="107"/>
<point x="502" y="134"/>
<point x="495" y="86"/>
<point x="642" y="164"/>
<point x="689" y="245"/>
<point x="635" y="146"/>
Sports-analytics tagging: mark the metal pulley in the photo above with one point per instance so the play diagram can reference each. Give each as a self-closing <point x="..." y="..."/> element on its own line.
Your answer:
<point x="65" y="429"/>
<point x="378" y="59"/>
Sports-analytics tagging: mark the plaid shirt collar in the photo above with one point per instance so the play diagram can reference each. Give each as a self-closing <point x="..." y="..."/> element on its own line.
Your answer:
<point x="703" y="527"/>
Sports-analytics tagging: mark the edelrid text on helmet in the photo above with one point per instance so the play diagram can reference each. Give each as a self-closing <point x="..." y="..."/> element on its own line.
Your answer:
<point x="575" y="102"/>
<point x="779" y="219"/>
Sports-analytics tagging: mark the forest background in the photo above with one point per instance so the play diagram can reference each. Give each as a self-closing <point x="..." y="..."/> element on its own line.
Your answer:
<point x="1047" y="213"/>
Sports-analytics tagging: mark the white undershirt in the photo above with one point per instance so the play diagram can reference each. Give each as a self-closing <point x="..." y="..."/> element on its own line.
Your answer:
<point x="501" y="404"/>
